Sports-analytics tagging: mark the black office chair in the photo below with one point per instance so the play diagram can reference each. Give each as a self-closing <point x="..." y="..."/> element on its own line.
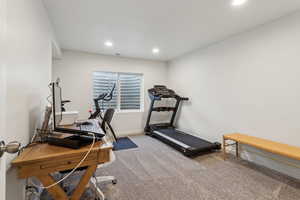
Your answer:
<point x="109" y="113"/>
<point x="106" y="120"/>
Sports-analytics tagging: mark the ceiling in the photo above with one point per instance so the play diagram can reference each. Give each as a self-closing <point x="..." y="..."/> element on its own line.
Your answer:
<point x="174" y="26"/>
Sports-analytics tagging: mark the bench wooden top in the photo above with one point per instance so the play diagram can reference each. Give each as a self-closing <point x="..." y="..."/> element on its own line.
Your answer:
<point x="267" y="145"/>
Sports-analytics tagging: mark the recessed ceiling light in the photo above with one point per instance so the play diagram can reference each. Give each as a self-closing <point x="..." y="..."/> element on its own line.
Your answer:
<point x="238" y="2"/>
<point x="155" y="50"/>
<point x="108" y="43"/>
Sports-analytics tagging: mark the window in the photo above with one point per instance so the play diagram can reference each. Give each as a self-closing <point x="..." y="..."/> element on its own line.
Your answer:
<point x="127" y="94"/>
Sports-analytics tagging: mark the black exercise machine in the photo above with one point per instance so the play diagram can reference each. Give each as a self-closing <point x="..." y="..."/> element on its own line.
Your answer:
<point x="103" y="97"/>
<point x="63" y="102"/>
<point x="108" y="115"/>
<point x="166" y="132"/>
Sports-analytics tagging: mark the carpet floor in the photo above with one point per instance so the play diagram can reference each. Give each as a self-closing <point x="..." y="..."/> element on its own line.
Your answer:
<point x="156" y="171"/>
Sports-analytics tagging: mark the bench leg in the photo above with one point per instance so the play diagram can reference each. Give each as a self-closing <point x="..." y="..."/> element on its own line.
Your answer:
<point x="224" y="148"/>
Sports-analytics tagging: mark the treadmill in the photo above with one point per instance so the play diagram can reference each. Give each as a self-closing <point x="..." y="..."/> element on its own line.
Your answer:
<point x="187" y="144"/>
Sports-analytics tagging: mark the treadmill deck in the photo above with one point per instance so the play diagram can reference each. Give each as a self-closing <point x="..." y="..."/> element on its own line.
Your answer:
<point x="188" y="140"/>
<point x="187" y="144"/>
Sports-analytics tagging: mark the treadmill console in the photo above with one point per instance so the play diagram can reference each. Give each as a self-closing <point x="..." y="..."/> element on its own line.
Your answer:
<point x="161" y="91"/>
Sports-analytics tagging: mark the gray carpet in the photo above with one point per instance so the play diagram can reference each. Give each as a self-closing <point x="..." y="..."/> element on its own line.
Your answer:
<point x="156" y="171"/>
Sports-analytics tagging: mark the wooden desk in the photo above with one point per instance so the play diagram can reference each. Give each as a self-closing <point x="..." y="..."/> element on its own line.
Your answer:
<point x="41" y="160"/>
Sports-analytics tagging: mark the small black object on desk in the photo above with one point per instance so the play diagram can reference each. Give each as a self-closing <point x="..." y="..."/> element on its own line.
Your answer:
<point x="74" y="141"/>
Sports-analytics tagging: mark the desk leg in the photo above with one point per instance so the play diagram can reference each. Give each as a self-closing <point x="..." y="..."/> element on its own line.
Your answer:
<point x="83" y="182"/>
<point x="237" y="149"/>
<point x="56" y="191"/>
<point x="224" y="148"/>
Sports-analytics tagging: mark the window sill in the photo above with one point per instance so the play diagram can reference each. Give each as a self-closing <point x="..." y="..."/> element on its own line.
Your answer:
<point x="129" y="111"/>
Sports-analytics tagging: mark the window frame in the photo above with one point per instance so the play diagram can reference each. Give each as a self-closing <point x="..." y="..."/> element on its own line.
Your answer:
<point x="118" y="109"/>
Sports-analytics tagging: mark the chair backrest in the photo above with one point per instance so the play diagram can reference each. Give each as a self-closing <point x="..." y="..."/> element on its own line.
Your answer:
<point x="109" y="113"/>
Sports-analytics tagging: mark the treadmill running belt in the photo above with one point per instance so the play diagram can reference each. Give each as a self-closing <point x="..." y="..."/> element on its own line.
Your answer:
<point x="186" y="139"/>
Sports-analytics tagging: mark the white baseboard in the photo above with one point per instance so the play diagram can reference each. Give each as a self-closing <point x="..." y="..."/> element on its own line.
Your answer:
<point x="130" y="133"/>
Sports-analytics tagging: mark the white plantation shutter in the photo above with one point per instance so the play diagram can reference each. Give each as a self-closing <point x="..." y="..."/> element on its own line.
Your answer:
<point x="127" y="94"/>
<point x="130" y="91"/>
<point x="103" y="82"/>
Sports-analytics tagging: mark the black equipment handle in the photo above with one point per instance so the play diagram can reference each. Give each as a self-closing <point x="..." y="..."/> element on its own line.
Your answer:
<point x="184" y="98"/>
<point x="110" y="95"/>
<point x="65" y="101"/>
<point x="102" y="97"/>
<point x="106" y="96"/>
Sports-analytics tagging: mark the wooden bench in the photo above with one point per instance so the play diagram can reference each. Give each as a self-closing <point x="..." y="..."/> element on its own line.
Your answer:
<point x="289" y="151"/>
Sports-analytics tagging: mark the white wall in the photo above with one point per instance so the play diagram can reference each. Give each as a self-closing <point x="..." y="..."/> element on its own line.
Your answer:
<point x="75" y="71"/>
<point x="249" y="83"/>
<point x="28" y="73"/>
<point x="2" y="125"/>
<point x="2" y="96"/>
